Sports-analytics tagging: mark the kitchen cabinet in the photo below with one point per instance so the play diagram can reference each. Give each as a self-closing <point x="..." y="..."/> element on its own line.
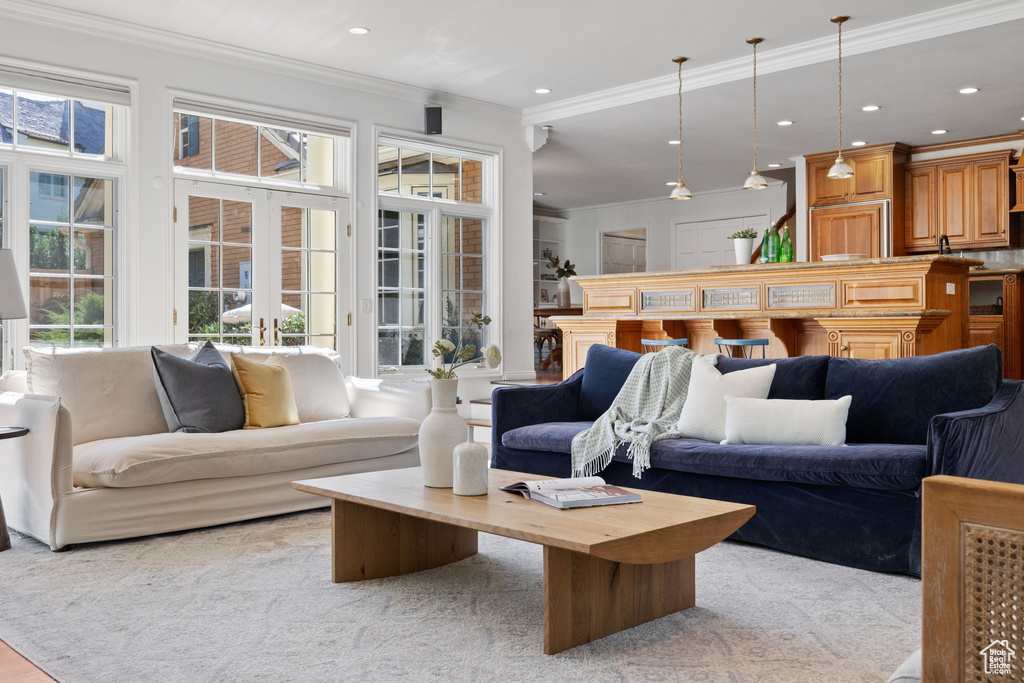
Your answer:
<point x="855" y="229"/>
<point x="874" y="175"/>
<point x="966" y="198"/>
<point x="1000" y="325"/>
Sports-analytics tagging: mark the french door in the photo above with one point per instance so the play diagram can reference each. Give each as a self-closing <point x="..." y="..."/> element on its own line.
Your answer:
<point x="256" y="266"/>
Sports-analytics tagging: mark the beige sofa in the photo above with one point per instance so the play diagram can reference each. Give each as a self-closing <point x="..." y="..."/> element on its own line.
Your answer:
<point x="98" y="462"/>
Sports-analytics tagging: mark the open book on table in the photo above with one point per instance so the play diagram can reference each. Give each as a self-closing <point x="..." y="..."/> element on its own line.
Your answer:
<point x="579" y="492"/>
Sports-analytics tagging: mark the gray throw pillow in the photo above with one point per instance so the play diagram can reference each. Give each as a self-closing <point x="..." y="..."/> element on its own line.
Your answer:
<point x="198" y="395"/>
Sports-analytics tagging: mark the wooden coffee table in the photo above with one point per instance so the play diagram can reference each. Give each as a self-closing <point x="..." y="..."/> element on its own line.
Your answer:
<point x="606" y="569"/>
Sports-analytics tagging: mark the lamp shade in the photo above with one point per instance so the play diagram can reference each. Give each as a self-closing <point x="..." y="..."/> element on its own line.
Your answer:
<point x="755" y="181"/>
<point x="840" y="170"/>
<point x="12" y="303"/>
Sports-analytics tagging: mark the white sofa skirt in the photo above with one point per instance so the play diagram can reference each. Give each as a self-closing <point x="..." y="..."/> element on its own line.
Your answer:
<point x="101" y="514"/>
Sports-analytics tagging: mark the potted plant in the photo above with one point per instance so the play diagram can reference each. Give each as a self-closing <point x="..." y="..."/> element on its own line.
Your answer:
<point x="743" y="243"/>
<point x="443" y="429"/>
<point x="563" y="271"/>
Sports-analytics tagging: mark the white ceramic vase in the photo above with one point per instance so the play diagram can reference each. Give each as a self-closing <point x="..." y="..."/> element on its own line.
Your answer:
<point x="744" y="247"/>
<point x="442" y="430"/>
<point x="469" y="468"/>
<point x="563" y="299"/>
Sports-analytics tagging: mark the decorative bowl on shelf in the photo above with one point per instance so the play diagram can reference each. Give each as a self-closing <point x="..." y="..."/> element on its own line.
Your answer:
<point x="843" y="257"/>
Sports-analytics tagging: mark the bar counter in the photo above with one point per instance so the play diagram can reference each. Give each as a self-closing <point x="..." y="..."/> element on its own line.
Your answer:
<point x="872" y="308"/>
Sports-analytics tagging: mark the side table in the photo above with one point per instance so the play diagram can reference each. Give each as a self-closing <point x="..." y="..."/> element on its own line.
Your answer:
<point x="5" y="538"/>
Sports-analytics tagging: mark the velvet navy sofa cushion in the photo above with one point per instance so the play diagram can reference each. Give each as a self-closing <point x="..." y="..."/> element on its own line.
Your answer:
<point x="883" y="467"/>
<point x="607" y="370"/>
<point x="895" y="399"/>
<point x="801" y="378"/>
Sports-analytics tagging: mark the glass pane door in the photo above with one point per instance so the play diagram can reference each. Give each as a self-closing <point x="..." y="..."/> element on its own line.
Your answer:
<point x="219" y="230"/>
<point x="309" y="272"/>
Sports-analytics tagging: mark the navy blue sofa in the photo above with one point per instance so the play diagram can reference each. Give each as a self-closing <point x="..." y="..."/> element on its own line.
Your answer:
<point x="857" y="505"/>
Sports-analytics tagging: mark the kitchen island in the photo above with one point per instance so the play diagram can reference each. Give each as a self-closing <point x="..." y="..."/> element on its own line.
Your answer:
<point x="871" y="308"/>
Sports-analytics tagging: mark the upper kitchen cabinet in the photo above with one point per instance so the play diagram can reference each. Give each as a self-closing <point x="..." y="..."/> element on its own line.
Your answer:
<point x="877" y="175"/>
<point x="965" y="198"/>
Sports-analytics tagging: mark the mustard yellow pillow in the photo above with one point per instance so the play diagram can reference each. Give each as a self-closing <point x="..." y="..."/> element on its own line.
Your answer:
<point x="266" y="390"/>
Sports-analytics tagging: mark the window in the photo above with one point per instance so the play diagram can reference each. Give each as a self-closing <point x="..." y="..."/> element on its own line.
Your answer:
<point x="258" y="263"/>
<point x="432" y="249"/>
<point x="54" y="124"/>
<point x="71" y="248"/>
<point x="63" y="157"/>
<point x="228" y="147"/>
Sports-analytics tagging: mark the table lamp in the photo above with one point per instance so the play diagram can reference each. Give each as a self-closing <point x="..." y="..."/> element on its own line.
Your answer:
<point x="12" y="303"/>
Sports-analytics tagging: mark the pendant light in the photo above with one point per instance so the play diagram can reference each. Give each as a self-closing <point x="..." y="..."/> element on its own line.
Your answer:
<point x="840" y="170"/>
<point x="755" y="181"/>
<point x="680" y="191"/>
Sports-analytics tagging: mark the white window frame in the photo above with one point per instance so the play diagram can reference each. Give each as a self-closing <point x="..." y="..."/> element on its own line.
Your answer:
<point x="488" y="211"/>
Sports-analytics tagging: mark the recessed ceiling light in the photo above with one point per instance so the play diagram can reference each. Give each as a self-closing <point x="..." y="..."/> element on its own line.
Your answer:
<point x="539" y="194"/>
<point x="870" y="107"/>
<point x="967" y="91"/>
<point x="671" y="183"/>
<point x="774" y="165"/>
<point x="858" y="143"/>
<point x="785" y="123"/>
<point x="542" y="91"/>
<point x="359" y="30"/>
<point x="674" y="142"/>
<point x="940" y="131"/>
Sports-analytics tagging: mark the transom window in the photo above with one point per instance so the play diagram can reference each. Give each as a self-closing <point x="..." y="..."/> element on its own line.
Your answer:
<point x="434" y="228"/>
<point x="50" y="123"/>
<point x="222" y="146"/>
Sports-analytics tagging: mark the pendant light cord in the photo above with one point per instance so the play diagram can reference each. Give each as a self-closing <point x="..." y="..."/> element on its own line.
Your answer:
<point x="680" y="179"/>
<point x="755" y="107"/>
<point x="840" y="24"/>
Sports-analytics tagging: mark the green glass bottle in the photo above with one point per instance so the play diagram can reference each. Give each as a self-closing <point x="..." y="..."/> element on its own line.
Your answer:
<point x="763" y="258"/>
<point x="773" y="245"/>
<point x="787" y="255"/>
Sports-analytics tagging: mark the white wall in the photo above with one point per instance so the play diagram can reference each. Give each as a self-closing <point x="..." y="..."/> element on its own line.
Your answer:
<point x="659" y="217"/>
<point x="147" y="229"/>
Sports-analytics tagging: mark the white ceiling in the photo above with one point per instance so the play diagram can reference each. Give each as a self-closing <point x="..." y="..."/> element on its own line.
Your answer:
<point x="500" y="51"/>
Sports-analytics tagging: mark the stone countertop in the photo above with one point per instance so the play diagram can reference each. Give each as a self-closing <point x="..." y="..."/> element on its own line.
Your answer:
<point x="978" y="272"/>
<point x="805" y="314"/>
<point x="774" y="267"/>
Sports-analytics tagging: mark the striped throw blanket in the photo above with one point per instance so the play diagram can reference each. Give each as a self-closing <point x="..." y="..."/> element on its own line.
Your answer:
<point x="646" y="410"/>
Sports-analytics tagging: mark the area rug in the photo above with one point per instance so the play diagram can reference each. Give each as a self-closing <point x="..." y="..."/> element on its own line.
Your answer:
<point x="254" y="602"/>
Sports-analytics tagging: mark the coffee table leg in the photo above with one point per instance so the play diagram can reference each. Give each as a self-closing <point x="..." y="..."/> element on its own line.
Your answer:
<point x="371" y="543"/>
<point x="586" y="597"/>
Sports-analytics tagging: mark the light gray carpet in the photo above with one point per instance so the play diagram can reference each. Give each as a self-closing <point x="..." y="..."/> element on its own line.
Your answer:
<point x="254" y="602"/>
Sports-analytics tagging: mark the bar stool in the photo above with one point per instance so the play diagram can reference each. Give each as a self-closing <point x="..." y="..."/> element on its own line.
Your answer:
<point x="746" y="346"/>
<point x="651" y="345"/>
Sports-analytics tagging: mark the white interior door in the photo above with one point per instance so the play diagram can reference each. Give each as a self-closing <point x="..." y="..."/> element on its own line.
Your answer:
<point x="256" y="266"/>
<point x="699" y="244"/>
<point x="623" y="254"/>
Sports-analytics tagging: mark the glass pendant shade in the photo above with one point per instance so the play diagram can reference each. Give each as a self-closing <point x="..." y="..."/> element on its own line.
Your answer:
<point x="755" y="181"/>
<point x="840" y="170"/>
<point x="681" y="191"/>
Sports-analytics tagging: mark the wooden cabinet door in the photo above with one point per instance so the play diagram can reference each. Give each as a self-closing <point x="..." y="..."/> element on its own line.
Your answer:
<point x="991" y="202"/>
<point x="987" y="329"/>
<point x="921" y="206"/>
<point x="870" y="345"/>
<point x="847" y="230"/>
<point x="954" y="191"/>
<point x="825" y="191"/>
<point x="872" y="178"/>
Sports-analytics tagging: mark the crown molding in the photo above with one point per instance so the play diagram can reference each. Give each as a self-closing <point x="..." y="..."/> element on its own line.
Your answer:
<point x="1011" y="138"/>
<point x="933" y="24"/>
<point x="143" y="36"/>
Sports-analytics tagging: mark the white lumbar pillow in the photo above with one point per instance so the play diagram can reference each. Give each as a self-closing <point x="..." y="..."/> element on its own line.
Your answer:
<point x="703" y="415"/>
<point x="779" y="421"/>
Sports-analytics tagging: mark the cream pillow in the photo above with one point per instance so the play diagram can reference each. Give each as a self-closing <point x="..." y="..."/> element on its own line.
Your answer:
<point x="266" y="391"/>
<point x="781" y="421"/>
<point x="703" y="415"/>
